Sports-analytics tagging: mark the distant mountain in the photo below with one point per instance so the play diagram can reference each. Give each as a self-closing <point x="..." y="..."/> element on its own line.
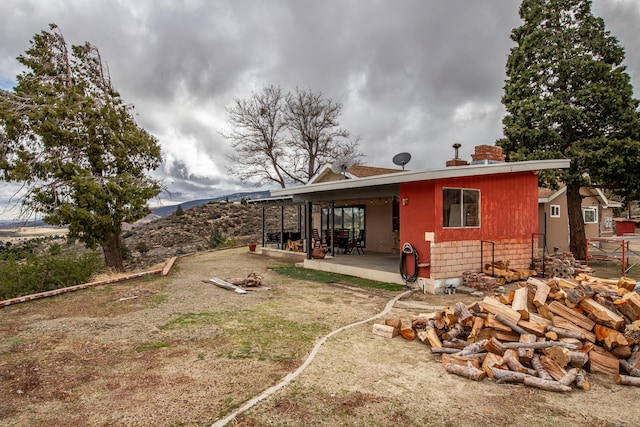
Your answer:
<point x="164" y="211"/>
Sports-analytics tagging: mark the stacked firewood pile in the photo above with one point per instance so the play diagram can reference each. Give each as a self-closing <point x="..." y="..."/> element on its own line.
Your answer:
<point x="545" y="334"/>
<point x="563" y="265"/>
<point x="495" y="275"/>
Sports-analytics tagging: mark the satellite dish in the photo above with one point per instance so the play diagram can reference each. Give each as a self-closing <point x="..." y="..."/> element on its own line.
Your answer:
<point x="341" y="165"/>
<point x="401" y="159"/>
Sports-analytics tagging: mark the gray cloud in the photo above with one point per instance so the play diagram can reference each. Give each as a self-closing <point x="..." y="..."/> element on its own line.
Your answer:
<point x="415" y="75"/>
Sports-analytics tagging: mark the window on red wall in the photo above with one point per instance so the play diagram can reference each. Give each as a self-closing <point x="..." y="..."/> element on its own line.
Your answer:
<point x="460" y="208"/>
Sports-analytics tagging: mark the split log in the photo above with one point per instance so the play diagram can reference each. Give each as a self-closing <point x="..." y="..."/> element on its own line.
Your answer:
<point x="396" y="323"/>
<point x="634" y="359"/>
<point x="604" y="362"/>
<point x="506" y="376"/>
<point x="459" y="360"/>
<point x="385" y="331"/>
<point x="478" y="324"/>
<point x="571" y="315"/>
<point x="493" y="345"/>
<point x="532" y="327"/>
<point x="419" y="322"/>
<point x="553" y="368"/>
<point x="561" y="322"/>
<point x="432" y="336"/>
<point x="560" y="355"/>
<point x="544" y="311"/>
<point x="541" y="371"/>
<point x="633" y="300"/>
<point x="632" y="331"/>
<point x="634" y="372"/>
<point x="526" y="354"/>
<point x="626" y="309"/>
<point x="542" y="291"/>
<point x="462" y="313"/>
<point x="610" y="338"/>
<point x="627" y="380"/>
<point x="468" y="371"/>
<point x="408" y="333"/>
<point x="601" y="314"/>
<point x="513" y="326"/>
<point x="492" y="322"/>
<point x="581" y="381"/>
<point x="492" y="305"/>
<point x="519" y="303"/>
<point x="492" y="360"/>
<point x="577" y="294"/>
<point x="622" y="352"/>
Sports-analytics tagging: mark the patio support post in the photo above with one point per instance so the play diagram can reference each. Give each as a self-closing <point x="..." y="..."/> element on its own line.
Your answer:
<point x="308" y="223"/>
<point x="332" y="226"/>
<point x="282" y="227"/>
<point x="263" y="243"/>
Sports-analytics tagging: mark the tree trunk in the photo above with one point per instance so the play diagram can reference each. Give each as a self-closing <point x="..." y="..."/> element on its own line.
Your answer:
<point x="578" y="239"/>
<point x="113" y="253"/>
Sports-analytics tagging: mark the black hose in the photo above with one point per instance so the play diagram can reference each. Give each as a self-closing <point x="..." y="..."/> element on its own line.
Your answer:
<point x="407" y="249"/>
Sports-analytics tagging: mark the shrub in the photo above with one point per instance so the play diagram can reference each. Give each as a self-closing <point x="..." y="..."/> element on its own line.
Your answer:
<point x="45" y="273"/>
<point x="142" y="247"/>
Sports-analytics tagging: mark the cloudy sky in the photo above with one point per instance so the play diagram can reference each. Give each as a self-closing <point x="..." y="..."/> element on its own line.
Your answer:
<point x="413" y="75"/>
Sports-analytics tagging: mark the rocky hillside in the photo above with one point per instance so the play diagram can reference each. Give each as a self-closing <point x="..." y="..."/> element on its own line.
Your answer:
<point x="215" y="224"/>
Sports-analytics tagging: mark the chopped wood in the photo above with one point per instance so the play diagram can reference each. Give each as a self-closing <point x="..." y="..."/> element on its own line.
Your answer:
<point x="570" y="377"/>
<point x="632" y="331"/>
<point x="432" y="337"/>
<point x="492" y="360"/>
<point x="542" y="291"/>
<point x="462" y="313"/>
<point x="634" y="372"/>
<point x="562" y="323"/>
<point x="539" y="345"/>
<point x="571" y="315"/>
<point x="507" y="376"/>
<point x="603" y="361"/>
<point x="510" y="358"/>
<point x="553" y="368"/>
<point x="627" y="380"/>
<point x="633" y="299"/>
<point x="385" y="331"/>
<point x="626" y="309"/>
<point x="454" y="343"/>
<point x="459" y="360"/>
<point x="541" y="371"/>
<point x="560" y="355"/>
<point x="396" y="323"/>
<point x="453" y="332"/>
<point x="226" y="285"/>
<point x="622" y="352"/>
<point x="526" y="354"/>
<point x="601" y="314"/>
<point x="513" y="326"/>
<point x="561" y="332"/>
<point x="408" y="333"/>
<point x="493" y="345"/>
<point x="610" y="338"/>
<point x="476" y="347"/>
<point x="545" y="384"/>
<point x="581" y="381"/>
<point x="478" y="324"/>
<point x="492" y="305"/>
<point x="519" y="303"/>
<point x="468" y="371"/>
<point x="579" y="359"/>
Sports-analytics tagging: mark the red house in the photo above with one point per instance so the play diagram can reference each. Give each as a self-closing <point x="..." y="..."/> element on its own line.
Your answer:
<point x="455" y="218"/>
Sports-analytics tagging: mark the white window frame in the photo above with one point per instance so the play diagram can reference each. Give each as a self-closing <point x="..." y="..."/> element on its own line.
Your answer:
<point x="595" y="215"/>
<point x="554" y="211"/>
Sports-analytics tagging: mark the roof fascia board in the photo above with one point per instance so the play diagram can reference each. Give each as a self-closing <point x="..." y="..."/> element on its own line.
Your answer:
<point x="553" y="196"/>
<point x="426" y="175"/>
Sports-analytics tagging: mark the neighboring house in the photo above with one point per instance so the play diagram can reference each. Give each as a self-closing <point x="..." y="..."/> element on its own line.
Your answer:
<point x="449" y="215"/>
<point x="553" y="220"/>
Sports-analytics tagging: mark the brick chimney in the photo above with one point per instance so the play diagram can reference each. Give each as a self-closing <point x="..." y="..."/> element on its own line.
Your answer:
<point x="487" y="154"/>
<point x="456" y="161"/>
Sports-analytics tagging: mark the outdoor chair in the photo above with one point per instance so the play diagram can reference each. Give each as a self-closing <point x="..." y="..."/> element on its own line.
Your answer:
<point x="317" y="241"/>
<point x="357" y="243"/>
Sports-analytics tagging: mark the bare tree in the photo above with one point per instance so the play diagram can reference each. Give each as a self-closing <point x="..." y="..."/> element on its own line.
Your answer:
<point x="257" y="135"/>
<point x="315" y="134"/>
<point x="285" y="138"/>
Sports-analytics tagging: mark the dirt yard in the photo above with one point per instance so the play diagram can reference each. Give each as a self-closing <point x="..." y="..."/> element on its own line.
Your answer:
<point x="175" y="351"/>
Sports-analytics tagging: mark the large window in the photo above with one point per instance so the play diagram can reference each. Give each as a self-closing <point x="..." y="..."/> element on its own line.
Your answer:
<point x="590" y="215"/>
<point x="349" y="217"/>
<point x="460" y="208"/>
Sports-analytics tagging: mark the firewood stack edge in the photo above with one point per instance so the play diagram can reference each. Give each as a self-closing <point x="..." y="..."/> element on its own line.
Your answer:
<point x="546" y="333"/>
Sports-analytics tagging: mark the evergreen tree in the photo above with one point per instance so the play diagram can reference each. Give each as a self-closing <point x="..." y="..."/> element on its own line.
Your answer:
<point x="566" y="87"/>
<point x="179" y="211"/>
<point x="66" y="133"/>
